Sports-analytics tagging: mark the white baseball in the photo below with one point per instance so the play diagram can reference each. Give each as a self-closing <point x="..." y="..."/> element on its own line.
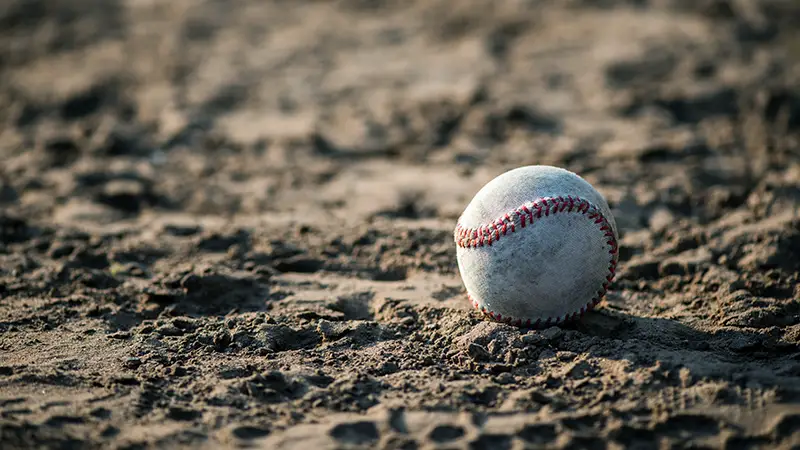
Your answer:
<point x="536" y="246"/>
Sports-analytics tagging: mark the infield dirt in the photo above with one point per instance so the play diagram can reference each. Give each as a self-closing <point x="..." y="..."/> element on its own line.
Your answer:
<point x="230" y="224"/>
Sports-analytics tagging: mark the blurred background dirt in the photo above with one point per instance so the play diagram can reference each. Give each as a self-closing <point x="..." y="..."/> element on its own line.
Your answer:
<point x="229" y="223"/>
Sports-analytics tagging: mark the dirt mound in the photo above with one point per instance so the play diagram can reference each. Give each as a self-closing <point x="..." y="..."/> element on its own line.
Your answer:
<point x="230" y="224"/>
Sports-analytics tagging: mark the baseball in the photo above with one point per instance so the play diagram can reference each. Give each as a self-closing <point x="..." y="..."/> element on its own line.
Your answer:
<point x="536" y="246"/>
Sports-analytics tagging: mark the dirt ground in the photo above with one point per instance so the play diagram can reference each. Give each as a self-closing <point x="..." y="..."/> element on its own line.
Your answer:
<point x="230" y="223"/>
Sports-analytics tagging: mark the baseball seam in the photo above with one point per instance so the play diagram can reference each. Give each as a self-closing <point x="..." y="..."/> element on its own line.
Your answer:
<point x="527" y="215"/>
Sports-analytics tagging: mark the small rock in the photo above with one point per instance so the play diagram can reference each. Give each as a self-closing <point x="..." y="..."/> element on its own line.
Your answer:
<point x="222" y="340"/>
<point x="478" y="352"/>
<point x="133" y="363"/>
<point x="387" y="368"/>
<point x="484" y="333"/>
<point x="533" y="339"/>
<point x="184" y="323"/>
<point x="552" y="333"/>
<point x="242" y="339"/>
<point x="505" y="378"/>
<point x="170" y="330"/>
<point x="331" y="331"/>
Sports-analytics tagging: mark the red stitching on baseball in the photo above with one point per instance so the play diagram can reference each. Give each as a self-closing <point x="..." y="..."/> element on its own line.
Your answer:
<point x="466" y="237"/>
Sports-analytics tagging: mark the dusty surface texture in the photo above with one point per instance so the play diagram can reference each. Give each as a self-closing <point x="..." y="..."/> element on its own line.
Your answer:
<point x="229" y="224"/>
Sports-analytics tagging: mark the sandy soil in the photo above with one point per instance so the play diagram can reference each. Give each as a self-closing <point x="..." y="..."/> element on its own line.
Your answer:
<point x="229" y="224"/>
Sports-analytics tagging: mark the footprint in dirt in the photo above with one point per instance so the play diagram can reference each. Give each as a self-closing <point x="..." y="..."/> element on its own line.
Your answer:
<point x="209" y="291"/>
